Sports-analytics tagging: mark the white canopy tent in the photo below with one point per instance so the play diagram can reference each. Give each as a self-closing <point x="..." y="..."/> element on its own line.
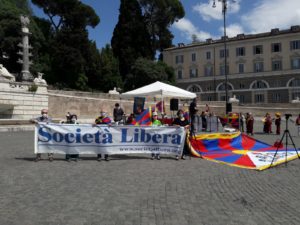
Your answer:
<point x="159" y="89"/>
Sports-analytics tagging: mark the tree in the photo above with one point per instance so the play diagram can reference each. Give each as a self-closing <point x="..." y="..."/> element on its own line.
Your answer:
<point x="146" y="71"/>
<point x="130" y="39"/>
<point x="159" y="16"/>
<point x="110" y="70"/>
<point x="74" y="58"/>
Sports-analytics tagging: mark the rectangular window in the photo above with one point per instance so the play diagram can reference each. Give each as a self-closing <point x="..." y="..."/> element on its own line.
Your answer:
<point x="276" y="47"/>
<point x="179" y="59"/>
<point x="208" y="55"/>
<point x="193" y="57"/>
<point x="208" y="71"/>
<point x="241" y="98"/>
<point x="179" y="74"/>
<point x="193" y="73"/>
<point x="277" y="83"/>
<point x="258" y="67"/>
<point x="259" y="98"/>
<point x="222" y="70"/>
<point x="209" y="98"/>
<point x="295" y="44"/>
<point x="257" y="49"/>
<point x="241" y="67"/>
<point x="295" y="63"/>
<point x="276" y="97"/>
<point x="242" y="86"/>
<point x="222" y="53"/>
<point x="240" y="51"/>
<point x="276" y="65"/>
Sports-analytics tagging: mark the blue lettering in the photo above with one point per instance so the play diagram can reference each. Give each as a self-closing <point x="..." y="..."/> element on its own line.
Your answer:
<point x="176" y="139"/>
<point x="78" y="136"/>
<point x="124" y="136"/>
<point x="144" y="136"/>
<point x="107" y="138"/>
<point x="156" y="138"/>
<point x="86" y="138"/>
<point x="44" y="136"/>
<point x="68" y="136"/>
<point x="58" y="137"/>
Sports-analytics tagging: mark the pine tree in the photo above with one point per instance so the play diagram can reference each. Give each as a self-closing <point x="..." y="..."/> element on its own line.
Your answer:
<point x="130" y="39"/>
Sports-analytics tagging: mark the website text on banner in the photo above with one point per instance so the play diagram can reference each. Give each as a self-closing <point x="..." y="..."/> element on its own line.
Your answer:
<point x="88" y="139"/>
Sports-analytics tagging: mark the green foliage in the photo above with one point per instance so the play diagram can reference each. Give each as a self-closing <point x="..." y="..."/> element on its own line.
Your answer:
<point x="130" y="39"/>
<point x="147" y="71"/>
<point x="33" y="88"/>
<point x="159" y="16"/>
<point x="110" y="70"/>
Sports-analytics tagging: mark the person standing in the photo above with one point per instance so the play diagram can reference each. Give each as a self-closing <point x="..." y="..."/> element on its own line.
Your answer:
<point x="193" y="112"/>
<point x="72" y="119"/>
<point x="44" y="118"/>
<point x="155" y="122"/>
<point x="118" y="113"/>
<point x="102" y="119"/>
<point x="249" y="123"/>
<point x="277" y="122"/>
<point x="182" y="122"/>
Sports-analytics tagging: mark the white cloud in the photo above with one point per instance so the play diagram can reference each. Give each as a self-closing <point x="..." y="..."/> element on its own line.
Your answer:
<point x="268" y="14"/>
<point x="187" y="29"/>
<point x="232" y="30"/>
<point x="207" y="12"/>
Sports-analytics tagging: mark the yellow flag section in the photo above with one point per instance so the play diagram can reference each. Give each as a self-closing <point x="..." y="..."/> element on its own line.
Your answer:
<point x="240" y="150"/>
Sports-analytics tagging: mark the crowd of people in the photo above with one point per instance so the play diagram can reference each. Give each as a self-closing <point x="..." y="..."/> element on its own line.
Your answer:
<point x="188" y="122"/>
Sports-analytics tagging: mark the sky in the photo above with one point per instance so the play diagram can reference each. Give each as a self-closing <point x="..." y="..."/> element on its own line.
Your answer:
<point x="201" y="19"/>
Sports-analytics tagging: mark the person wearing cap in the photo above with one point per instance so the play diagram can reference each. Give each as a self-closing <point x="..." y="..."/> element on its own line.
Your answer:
<point x="182" y="122"/>
<point x="44" y="118"/>
<point x="155" y="122"/>
<point x="103" y="119"/>
<point x="277" y="122"/>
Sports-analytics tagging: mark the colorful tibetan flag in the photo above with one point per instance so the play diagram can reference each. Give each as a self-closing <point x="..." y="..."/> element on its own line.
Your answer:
<point x="240" y="150"/>
<point x="144" y="119"/>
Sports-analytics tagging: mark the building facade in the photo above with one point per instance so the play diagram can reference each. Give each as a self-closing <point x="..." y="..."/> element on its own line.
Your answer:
<point x="261" y="68"/>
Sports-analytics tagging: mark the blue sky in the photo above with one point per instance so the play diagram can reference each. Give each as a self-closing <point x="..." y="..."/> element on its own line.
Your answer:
<point x="201" y="19"/>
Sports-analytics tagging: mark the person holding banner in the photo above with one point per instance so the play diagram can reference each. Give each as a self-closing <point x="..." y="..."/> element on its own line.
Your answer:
<point x="44" y="118"/>
<point x="182" y="122"/>
<point x="103" y="119"/>
<point x="72" y="119"/>
<point x="155" y="122"/>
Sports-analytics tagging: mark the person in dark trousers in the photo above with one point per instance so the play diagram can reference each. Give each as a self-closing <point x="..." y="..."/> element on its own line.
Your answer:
<point x="204" y="121"/>
<point x="182" y="122"/>
<point x="44" y="118"/>
<point x="118" y="113"/>
<point x="249" y="123"/>
<point x="102" y="119"/>
<point x="72" y="119"/>
<point x="277" y="122"/>
<point x="193" y="112"/>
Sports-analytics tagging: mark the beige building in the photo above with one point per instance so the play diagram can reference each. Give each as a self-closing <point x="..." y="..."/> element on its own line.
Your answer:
<point x="261" y="68"/>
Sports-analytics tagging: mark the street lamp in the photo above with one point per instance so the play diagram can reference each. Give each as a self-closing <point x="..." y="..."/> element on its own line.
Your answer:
<point x="224" y="9"/>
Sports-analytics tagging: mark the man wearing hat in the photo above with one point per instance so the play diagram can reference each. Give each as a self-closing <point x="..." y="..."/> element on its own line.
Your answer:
<point x="44" y="118"/>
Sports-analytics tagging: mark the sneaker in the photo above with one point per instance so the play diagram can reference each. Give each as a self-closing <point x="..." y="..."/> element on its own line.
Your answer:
<point x="158" y="157"/>
<point x="98" y="159"/>
<point x="177" y="158"/>
<point x="152" y="157"/>
<point x="183" y="157"/>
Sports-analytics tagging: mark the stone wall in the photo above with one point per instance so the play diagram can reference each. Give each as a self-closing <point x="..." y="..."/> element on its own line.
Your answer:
<point x="17" y="102"/>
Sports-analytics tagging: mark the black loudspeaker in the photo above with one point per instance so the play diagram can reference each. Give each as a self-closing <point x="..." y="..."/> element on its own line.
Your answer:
<point x="228" y="108"/>
<point x="174" y="104"/>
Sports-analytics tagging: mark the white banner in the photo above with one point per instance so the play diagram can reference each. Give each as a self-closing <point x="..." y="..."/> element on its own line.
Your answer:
<point x="103" y="139"/>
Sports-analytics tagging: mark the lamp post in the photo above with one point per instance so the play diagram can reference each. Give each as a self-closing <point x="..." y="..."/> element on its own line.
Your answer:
<point x="224" y="9"/>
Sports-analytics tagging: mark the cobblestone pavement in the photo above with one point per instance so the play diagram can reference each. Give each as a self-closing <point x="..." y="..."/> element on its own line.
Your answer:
<point x="136" y="190"/>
